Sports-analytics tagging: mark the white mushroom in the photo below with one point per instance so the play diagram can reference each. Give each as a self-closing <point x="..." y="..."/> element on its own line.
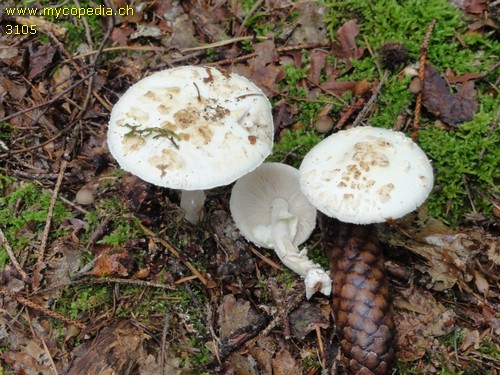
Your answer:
<point x="191" y="128"/>
<point x="271" y="211"/>
<point x="366" y="175"/>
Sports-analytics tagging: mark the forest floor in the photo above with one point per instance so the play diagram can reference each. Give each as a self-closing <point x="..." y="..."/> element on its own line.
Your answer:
<point x="100" y="273"/>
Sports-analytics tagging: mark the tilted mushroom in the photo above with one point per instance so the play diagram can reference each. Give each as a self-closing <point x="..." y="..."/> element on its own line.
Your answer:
<point x="271" y="211"/>
<point x="363" y="175"/>
<point x="191" y="128"/>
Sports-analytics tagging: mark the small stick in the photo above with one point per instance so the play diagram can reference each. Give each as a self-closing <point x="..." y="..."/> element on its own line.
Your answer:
<point x="12" y="257"/>
<point x="45" y="348"/>
<point x="466" y="186"/>
<point x="264" y="258"/>
<point x="492" y="128"/>
<point x="174" y="251"/>
<point x="370" y="51"/>
<point x="37" y="277"/>
<point x="279" y="50"/>
<point x="166" y="324"/>
<point x="221" y="43"/>
<point x="48" y="102"/>
<point x="421" y="75"/>
<point x="321" y="347"/>
<point x="361" y="115"/>
<point x="43" y="310"/>
<point x="105" y="280"/>
<point x="254" y="9"/>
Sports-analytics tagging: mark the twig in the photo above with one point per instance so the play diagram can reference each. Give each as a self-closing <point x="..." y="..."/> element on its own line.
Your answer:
<point x="176" y="253"/>
<point x="34" y="306"/>
<point x="466" y="186"/>
<point x="421" y="75"/>
<point x="105" y="280"/>
<point x="161" y="361"/>
<point x="221" y="43"/>
<point x="37" y="277"/>
<point x="12" y="257"/>
<point x="45" y="348"/>
<point x="127" y="48"/>
<point x="264" y="258"/>
<point x="279" y="50"/>
<point x="254" y="9"/>
<point x="370" y="51"/>
<point x="369" y="104"/>
<point x="320" y="346"/>
<point x="492" y="128"/>
<point x="281" y="307"/>
<point x="48" y="102"/>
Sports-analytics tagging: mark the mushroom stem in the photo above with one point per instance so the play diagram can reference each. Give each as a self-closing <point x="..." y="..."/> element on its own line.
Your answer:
<point x="283" y="229"/>
<point x="192" y="202"/>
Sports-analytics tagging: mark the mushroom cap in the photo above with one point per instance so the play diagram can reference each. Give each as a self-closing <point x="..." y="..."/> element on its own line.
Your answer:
<point x="252" y="197"/>
<point x="191" y="128"/>
<point x="366" y="175"/>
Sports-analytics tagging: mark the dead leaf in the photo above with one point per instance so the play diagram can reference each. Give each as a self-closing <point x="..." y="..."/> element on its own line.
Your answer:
<point x="471" y="339"/>
<point x="285" y="363"/>
<point x="40" y="61"/>
<point x="119" y="348"/>
<point x="481" y="283"/>
<point x="448" y="254"/>
<point x="233" y="315"/>
<point x="265" y="54"/>
<point x="15" y="90"/>
<point x="114" y="261"/>
<point x="318" y="62"/>
<point x="311" y="27"/>
<point x="120" y="35"/>
<point x="475" y="6"/>
<point x="306" y="318"/>
<point x="451" y="108"/>
<point x="346" y="35"/>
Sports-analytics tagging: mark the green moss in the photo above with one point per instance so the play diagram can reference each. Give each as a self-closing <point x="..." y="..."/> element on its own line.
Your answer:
<point x="384" y="21"/>
<point x="76" y="301"/>
<point x="294" y="144"/>
<point x="23" y="214"/>
<point x="394" y="100"/>
<point x="455" y="155"/>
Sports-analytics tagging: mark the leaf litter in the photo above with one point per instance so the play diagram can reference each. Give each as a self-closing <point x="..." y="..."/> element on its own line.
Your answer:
<point x="243" y="324"/>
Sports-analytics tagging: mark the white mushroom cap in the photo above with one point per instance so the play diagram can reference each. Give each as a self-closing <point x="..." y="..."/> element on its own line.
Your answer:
<point x="252" y="199"/>
<point x="366" y="175"/>
<point x="191" y="128"/>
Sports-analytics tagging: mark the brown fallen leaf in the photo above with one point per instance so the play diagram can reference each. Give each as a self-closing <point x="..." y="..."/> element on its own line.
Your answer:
<point x="475" y="6"/>
<point x="318" y="62"/>
<point x="233" y="315"/>
<point x="15" y="90"/>
<point x="41" y="60"/>
<point x="471" y="339"/>
<point x="346" y="35"/>
<point x="311" y="27"/>
<point x="306" y="318"/>
<point x="285" y="363"/>
<point x="453" y="109"/>
<point x="114" y="261"/>
<point x="119" y="348"/>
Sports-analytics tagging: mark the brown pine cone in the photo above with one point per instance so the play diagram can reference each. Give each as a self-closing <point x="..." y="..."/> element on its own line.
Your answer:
<point x="361" y="301"/>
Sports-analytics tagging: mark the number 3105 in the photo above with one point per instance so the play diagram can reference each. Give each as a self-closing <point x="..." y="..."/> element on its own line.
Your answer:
<point x="20" y="29"/>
